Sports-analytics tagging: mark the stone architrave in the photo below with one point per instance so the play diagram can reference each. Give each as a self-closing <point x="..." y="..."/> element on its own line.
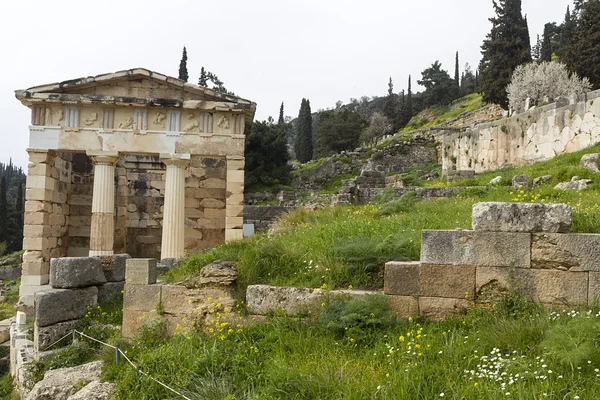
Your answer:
<point x="102" y="232"/>
<point x="173" y="245"/>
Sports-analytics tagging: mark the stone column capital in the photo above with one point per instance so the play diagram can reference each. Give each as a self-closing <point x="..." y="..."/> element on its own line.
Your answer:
<point x="178" y="160"/>
<point x="103" y="157"/>
<point x="40" y="155"/>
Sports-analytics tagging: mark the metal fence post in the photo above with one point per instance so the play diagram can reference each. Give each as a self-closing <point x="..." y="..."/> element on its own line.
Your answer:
<point x="118" y="353"/>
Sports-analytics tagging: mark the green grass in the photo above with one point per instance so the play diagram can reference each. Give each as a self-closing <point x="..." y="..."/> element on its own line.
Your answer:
<point x="545" y="354"/>
<point x="334" y="185"/>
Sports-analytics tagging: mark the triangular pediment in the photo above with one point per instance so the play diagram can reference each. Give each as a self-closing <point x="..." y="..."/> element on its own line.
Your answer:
<point x="132" y="83"/>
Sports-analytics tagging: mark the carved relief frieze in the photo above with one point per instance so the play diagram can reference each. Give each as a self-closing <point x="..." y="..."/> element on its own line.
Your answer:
<point x="223" y="122"/>
<point x="48" y="119"/>
<point x="159" y="118"/>
<point x="127" y="124"/>
<point x="61" y="114"/>
<point x="90" y="119"/>
<point x="191" y="126"/>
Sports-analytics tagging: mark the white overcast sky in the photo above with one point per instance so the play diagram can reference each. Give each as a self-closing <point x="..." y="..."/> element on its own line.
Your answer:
<point x="267" y="51"/>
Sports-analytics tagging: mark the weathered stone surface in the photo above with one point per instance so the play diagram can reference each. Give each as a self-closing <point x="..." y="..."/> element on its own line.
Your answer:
<point x="439" y="307"/>
<point x="117" y="272"/>
<point x="140" y="271"/>
<point x="496" y="180"/>
<point x="453" y="281"/>
<point x="594" y="289"/>
<point x="44" y="336"/>
<point x="109" y="291"/>
<point x="133" y="320"/>
<point x="540" y="180"/>
<point x="572" y="252"/>
<point x="181" y="300"/>
<point x="262" y="299"/>
<point x="94" y="390"/>
<point x="520" y="182"/>
<point x="574" y="184"/>
<point x="141" y="297"/>
<point x="60" y="383"/>
<point x="590" y="161"/>
<point x="5" y="330"/>
<point x="10" y="273"/>
<point x="10" y="261"/>
<point x="58" y="305"/>
<point x="401" y="278"/>
<point x="75" y="272"/>
<point x="545" y="286"/>
<point x="521" y="217"/>
<point x="404" y="306"/>
<point x="478" y="248"/>
<point x="219" y="273"/>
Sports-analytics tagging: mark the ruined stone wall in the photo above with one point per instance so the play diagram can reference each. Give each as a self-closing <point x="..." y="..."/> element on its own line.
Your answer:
<point x="404" y="155"/>
<point x="524" y="247"/>
<point x="263" y="217"/>
<point x="525" y="138"/>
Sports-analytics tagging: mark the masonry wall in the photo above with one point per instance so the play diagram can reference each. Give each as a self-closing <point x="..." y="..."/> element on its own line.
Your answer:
<point x="525" y="138"/>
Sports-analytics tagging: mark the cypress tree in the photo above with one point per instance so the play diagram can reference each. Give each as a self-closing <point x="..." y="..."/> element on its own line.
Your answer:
<point x="281" y="119"/>
<point x="505" y="47"/>
<point x="409" y="106"/>
<point x="203" y="81"/>
<point x="304" y="143"/>
<point x="546" y="48"/>
<point x="456" y="72"/>
<point x="183" y="72"/>
<point x="390" y="109"/>
<point x="567" y="30"/>
<point x="3" y="212"/>
<point x="584" y="54"/>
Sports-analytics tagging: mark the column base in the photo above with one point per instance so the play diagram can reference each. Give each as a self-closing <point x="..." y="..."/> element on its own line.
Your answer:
<point x="98" y="253"/>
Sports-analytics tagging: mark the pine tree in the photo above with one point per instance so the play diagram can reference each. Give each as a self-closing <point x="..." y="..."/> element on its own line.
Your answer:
<point x="584" y="55"/>
<point x="505" y="47"/>
<point x="3" y="212"/>
<point x="304" y="142"/>
<point x="456" y="72"/>
<point x="183" y="72"/>
<point x="203" y="81"/>
<point x="281" y="118"/>
<point x="536" y="50"/>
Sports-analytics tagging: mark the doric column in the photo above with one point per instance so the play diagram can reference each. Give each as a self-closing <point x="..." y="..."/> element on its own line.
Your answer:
<point x="102" y="232"/>
<point x="173" y="227"/>
<point x="234" y="206"/>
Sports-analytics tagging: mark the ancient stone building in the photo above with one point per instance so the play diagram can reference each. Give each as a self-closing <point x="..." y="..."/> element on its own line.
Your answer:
<point x="130" y="162"/>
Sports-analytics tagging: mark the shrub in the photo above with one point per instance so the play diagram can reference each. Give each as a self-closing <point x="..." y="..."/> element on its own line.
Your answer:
<point x="403" y="204"/>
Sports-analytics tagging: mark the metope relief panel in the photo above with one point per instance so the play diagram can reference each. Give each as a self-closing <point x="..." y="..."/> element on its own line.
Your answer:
<point x="206" y="123"/>
<point x="108" y="118"/>
<point x="140" y="119"/>
<point x="72" y="117"/>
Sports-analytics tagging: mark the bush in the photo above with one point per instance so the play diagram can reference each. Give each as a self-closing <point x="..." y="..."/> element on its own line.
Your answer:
<point x="403" y="204"/>
<point x="356" y="319"/>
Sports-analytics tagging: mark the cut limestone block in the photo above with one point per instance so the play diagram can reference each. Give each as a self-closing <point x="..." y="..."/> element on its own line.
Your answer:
<point x="117" y="272"/>
<point x="109" y="291"/>
<point x="572" y="252"/>
<point x="140" y="271"/>
<point x="59" y="305"/>
<point x="44" y="336"/>
<point x="141" y="297"/>
<point x="490" y="249"/>
<point x="453" y="281"/>
<point x="404" y="306"/>
<point x="5" y="330"/>
<point x="439" y="307"/>
<point x="542" y="285"/>
<point x="590" y="161"/>
<point x="401" y="278"/>
<point x="521" y="217"/>
<point x="75" y="272"/>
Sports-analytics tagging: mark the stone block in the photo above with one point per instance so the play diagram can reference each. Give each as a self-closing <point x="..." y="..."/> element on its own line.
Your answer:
<point x="404" y="306"/>
<point x="5" y="330"/>
<point x="10" y="273"/>
<point x="439" y="307"/>
<point x="542" y="285"/>
<point x="21" y="318"/>
<point x="219" y="273"/>
<point x="453" y="281"/>
<point x="401" y="278"/>
<point x="262" y="299"/>
<point x="140" y="271"/>
<point x="566" y="252"/>
<point x="117" y="272"/>
<point x="75" y="272"/>
<point x="141" y="297"/>
<point x="594" y="289"/>
<point x="133" y="320"/>
<point x="520" y="182"/>
<point x="44" y="336"/>
<point x="522" y="217"/>
<point x="590" y="161"/>
<point x="36" y="218"/>
<point x="478" y="248"/>
<point x="59" y="305"/>
<point x="109" y="291"/>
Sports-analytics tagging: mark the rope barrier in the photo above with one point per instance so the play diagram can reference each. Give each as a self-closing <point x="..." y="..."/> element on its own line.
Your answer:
<point x="130" y="362"/>
<point x="66" y="336"/>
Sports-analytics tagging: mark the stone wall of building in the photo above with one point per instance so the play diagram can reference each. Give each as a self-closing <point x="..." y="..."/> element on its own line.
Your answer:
<point x="535" y="135"/>
<point x="523" y="247"/>
<point x="263" y="217"/>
